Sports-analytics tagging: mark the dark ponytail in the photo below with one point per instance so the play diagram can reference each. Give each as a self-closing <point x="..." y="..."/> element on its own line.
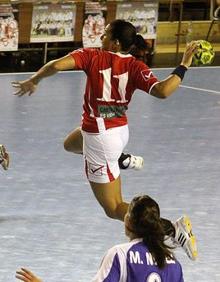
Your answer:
<point x="146" y="223"/>
<point x="141" y="43"/>
<point x="124" y="32"/>
<point x="141" y="49"/>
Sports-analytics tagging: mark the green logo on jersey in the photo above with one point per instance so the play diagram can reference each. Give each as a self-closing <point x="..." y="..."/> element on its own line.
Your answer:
<point x="111" y="111"/>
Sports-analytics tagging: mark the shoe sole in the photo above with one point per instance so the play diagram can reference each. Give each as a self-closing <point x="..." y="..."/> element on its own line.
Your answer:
<point x="191" y="242"/>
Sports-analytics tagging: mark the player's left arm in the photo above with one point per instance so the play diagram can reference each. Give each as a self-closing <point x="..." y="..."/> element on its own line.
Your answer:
<point x="167" y="87"/>
<point x="29" y="86"/>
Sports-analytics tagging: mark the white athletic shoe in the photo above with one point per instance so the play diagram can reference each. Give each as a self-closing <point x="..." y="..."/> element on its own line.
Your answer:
<point x="129" y="161"/>
<point x="4" y="157"/>
<point x="185" y="238"/>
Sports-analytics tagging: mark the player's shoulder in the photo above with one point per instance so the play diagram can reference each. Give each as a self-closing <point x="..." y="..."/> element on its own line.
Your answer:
<point x="125" y="247"/>
<point x="86" y="50"/>
<point x="117" y="55"/>
<point x="139" y="64"/>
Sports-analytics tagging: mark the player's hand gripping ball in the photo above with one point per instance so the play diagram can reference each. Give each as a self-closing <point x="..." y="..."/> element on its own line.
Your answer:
<point x="205" y="54"/>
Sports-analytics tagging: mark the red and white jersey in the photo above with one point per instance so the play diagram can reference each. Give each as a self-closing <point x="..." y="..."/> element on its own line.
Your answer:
<point x="112" y="78"/>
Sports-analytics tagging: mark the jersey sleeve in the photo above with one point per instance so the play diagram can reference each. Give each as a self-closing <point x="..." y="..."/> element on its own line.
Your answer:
<point x="143" y="77"/>
<point x="181" y="275"/>
<point x="109" y="270"/>
<point x="83" y="58"/>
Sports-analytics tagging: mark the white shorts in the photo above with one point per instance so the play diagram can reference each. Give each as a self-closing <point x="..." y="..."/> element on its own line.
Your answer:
<point x="102" y="151"/>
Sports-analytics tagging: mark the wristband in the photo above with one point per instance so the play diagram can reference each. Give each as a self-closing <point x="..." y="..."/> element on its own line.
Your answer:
<point x="180" y="71"/>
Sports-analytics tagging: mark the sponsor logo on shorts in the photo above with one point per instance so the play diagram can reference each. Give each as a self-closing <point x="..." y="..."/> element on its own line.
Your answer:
<point x="95" y="169"/>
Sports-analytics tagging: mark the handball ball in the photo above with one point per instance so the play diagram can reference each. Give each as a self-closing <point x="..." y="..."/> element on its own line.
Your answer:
<point x="205" y="54"/>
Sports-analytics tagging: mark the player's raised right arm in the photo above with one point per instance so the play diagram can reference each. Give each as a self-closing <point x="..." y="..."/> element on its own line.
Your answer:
<point x="29" y="86"/>
<point x="167" y="86"/>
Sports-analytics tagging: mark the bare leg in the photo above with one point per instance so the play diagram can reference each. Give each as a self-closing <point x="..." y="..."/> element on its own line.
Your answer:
<point x="74" y="141"/>
<point x="110" y="198"/>
<point x="108" y="194"/>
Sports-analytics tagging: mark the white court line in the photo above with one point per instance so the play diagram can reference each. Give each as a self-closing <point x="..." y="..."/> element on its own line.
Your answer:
<point x="201" y="89"/>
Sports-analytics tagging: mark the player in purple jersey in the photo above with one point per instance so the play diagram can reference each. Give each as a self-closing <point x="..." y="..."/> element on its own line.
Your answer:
<point x="145" y="258"/>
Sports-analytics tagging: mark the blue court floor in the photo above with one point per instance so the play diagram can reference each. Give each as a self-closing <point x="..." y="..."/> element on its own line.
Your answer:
<point x="50" y="221"/>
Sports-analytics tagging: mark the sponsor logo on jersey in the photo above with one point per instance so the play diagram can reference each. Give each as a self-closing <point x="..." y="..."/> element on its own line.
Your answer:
<point x="111" y="111"/>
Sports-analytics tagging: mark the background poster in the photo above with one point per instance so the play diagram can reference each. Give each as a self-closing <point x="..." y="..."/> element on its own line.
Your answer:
<point x="53" y="23"/>
<point x="143" y="16"/>
<point x="94" y="24"/>
<point x="8" y="29"/>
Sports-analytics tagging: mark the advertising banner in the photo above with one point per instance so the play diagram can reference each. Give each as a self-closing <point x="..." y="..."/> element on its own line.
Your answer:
<point x="94" y="24"/>
<point x="8" y="29"/>
<point x="53" y="22"/>
<point x="143" y="15"/>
